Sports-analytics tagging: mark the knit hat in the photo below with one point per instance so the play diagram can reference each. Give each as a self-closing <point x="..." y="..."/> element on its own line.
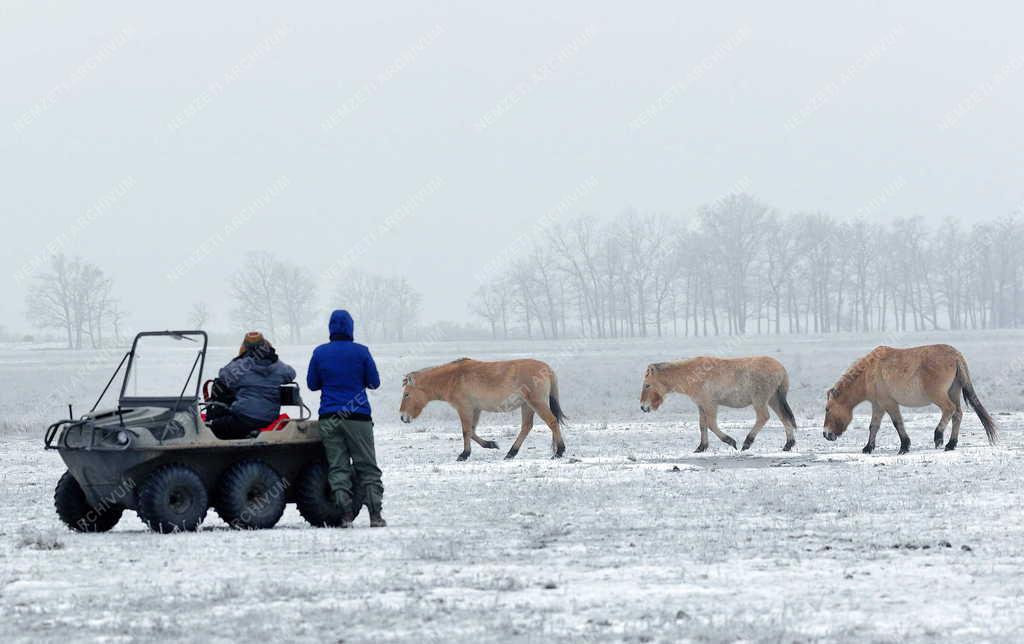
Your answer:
<point x="252" y="340"/>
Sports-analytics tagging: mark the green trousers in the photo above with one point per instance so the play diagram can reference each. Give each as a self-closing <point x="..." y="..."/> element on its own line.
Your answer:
<point x="349" y="446"/>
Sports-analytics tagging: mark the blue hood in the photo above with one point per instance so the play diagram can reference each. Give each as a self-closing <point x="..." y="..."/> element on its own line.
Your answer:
<point x="342" y="370"/>
<point x="341" y="325"/>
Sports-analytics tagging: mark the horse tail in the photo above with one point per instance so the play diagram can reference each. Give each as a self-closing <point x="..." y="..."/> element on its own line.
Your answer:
<point x="963" y="376"/>
<point x="556" y="407"/>
<point x="780" y="398"/>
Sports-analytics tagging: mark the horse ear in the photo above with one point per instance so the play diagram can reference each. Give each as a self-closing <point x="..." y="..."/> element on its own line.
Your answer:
<point x="406" y="381"/>
<point x="651" y="369"/>
<point x="831" y="394"/>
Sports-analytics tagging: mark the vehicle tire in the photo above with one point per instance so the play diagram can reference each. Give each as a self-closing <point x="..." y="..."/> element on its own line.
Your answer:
<point x="74" y="509"/>
<point x="173" y="499"/>
<point x="314" y="499"/>
<point x="251" y="496"/>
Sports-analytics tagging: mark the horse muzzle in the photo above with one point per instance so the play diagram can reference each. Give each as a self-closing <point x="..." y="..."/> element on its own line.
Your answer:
<point x="829" y="436"/>
<point x="406" y="418"/>
<point x="645" y="408"/>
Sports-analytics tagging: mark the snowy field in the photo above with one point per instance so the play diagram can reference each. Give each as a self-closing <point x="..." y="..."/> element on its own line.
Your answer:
<point x="631" y="537"/>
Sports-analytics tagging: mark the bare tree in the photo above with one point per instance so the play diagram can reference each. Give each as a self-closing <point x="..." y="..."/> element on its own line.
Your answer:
<point x="403" y="306"/>
<point x="491" y="302"/>
<point x="386" y="307"/>
<point x="734" y="226"/>
<point x="778" y="260"/>
<point x="199" y="315"/>
<point x="117" y="317"/>
<point x="74" y="296"/>
<point x="254" y="289"/>
<point x="296" y="297"/>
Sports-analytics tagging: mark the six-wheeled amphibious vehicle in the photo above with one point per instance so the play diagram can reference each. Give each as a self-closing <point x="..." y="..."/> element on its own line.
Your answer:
<point x="153" y="453"/>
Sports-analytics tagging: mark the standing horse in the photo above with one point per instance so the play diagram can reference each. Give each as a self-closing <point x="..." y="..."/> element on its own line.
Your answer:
<point x="930" y="375"/>
<point x="759" y="382"/>
<point x="471" y="386"/>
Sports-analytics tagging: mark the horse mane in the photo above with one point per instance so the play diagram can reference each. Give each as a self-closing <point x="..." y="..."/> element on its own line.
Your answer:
<point x="856" y="370"/>
<point x="435" y="368"/>
<point x="851" y="375"/>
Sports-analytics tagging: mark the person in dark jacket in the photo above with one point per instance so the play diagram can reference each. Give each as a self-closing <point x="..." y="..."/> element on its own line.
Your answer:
<point x="342" y="370"/>
<point x="254" y="377"/>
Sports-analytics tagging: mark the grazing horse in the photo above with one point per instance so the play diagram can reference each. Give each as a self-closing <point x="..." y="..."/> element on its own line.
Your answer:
<point x="760" y="382"/>
<point x="888" y="378"/>
<point x="472" y="386"/>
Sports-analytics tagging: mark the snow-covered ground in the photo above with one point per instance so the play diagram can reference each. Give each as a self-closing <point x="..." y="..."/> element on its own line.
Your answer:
<point x="630" y="537"/>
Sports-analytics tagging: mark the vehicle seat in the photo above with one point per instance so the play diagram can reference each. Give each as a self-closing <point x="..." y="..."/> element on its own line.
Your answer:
<point x="291" y="396"/>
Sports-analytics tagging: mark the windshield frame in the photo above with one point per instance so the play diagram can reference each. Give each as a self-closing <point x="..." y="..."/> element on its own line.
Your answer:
<point x="190" y="335"/>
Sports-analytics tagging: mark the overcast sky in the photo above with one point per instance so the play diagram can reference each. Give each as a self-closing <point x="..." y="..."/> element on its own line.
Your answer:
<point x="163" y="142"/>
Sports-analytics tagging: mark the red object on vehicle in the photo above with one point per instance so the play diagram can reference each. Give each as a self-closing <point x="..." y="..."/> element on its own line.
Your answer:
<point x="275" y="425"/>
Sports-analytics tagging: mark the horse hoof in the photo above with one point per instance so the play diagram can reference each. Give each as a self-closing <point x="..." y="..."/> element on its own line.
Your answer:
<point x="701" y="448"/>
<point x="903" y="450"/>
<point x="511" y="454"/>
<point x="950" y="446"/>
<point x="868" y="449"/>
<point x="788" y="446"/>
<point x="746" y="444"/>
<point x="462" y="457"/>
<point x="731" y="442"/>
<point x="490" y="445"/>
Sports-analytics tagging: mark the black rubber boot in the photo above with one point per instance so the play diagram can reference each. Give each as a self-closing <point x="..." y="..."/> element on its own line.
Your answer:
<point x="347" y="517"/>
<point x="376" y="520"/>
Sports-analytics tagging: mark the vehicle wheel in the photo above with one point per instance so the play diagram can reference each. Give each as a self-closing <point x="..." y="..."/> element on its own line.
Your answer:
<point x="315" y="501"/>
<point x="74" y="509"/>
<point x="173" y="499"/>
<point x="250" y="496"/>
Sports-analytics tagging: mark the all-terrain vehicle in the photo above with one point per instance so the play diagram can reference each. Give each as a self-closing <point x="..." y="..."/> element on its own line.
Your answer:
<point x="153" y="453"/>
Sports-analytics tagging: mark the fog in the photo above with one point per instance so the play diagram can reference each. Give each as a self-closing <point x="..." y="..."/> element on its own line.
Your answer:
<point x="162" y="144"/>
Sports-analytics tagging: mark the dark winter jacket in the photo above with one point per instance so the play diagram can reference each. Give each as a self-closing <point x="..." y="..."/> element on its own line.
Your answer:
<point x="256" y="378"/>
<point x="342" y="370"/>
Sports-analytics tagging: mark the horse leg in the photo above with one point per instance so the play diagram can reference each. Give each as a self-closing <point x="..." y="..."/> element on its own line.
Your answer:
<point x="481" y="442"/>
<point x="876" y="421"/>
<point x="958" y="415"/>
<point x="712" y="414"/>
<point x="466" y="417"/>
<point x="762" y="418"/>
<point x="947" y="408"/>
<point x="523" y="432"/>
<point x="703" y="445"/>
<point x="545" y="413"/>
<point x="897" y="421"/>
<point x="790" y="429"/>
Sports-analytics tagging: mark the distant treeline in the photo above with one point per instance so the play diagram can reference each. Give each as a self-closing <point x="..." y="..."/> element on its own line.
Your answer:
<point x="72" y="297"/>
<point x="739" y="267"/>
<point x="273" y="295"/>
<point x="742" y="267"/>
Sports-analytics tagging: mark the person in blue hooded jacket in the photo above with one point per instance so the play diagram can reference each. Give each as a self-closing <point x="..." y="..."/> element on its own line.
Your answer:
<point x="342" y="370"/>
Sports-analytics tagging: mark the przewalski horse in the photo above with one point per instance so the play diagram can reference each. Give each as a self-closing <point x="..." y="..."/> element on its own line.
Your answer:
<point x="888" y="378"/>
<point x="759" y="382"/>
<point x="472" y="386"/>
